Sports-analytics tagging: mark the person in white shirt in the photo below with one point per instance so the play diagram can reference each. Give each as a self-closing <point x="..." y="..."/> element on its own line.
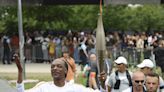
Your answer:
<point x="59" y="69"/>
<point x="121" y="78"/>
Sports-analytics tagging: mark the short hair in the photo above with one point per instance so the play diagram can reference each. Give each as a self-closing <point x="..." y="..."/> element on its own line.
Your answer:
<point x="62" y="60"/>
<point x="152" y="74"/>
<point x="65" y="63"/>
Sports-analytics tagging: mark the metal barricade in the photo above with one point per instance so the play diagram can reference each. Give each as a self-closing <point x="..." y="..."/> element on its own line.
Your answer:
<point x="133" y="55"/>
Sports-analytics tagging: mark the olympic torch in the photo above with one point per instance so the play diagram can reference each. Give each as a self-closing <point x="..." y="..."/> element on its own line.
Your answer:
<point x="100" y="47"/>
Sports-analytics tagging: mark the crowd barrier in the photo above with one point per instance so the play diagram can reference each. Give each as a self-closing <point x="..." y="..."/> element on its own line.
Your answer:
<point x="34" y="53"/>
<point x="133" y="55"/>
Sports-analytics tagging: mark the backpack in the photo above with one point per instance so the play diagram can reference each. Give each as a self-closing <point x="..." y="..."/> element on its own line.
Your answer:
<point x="117" y="84"/>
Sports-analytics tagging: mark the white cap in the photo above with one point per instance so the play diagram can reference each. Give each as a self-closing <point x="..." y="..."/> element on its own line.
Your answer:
<point x="121" y="60"/>
<point x="146" y="63"/>
<point x="82" y="33"/>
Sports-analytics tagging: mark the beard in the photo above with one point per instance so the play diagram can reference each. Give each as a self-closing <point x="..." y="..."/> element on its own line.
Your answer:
<point x="139" y="87"/>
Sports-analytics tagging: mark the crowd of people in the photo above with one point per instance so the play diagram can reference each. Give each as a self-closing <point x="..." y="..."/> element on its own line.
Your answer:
<point x="45" y="46"/>
<point x="62" y="51"/>
<point x="143" y="79"/>
<point x="121" y="79"/>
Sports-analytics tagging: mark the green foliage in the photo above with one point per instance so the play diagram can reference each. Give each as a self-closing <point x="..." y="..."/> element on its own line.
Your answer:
<point x="79" y="17"/>
<point x="2" y="26"/>
<point x="84" y="17"/>
<point x="80" y="79"/>
<point x="143" y="18"/>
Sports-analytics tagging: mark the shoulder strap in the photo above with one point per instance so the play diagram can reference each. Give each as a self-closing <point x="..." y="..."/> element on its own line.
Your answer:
<point x="116" y="72"/>
<point x="129" y="78"/>
<point x="117" y="84"/>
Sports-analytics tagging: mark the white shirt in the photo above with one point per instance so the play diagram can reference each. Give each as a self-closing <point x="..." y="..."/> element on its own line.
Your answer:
<point x="50" y="87"/>
<point x="83" y="46"/>
<point x="128" y="90"/>
<point x="124" y="84"/>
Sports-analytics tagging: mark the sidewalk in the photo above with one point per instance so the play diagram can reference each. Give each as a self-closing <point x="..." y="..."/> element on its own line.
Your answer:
<point x="5" y="87"/>
<point x="29" y="68"/>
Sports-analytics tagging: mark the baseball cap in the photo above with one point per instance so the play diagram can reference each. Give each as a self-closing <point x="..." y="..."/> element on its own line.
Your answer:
<point x="121" y="60"/>
<point x="146" y="63"/>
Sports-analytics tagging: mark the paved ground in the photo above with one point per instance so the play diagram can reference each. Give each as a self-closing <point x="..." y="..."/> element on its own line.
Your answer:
<point x="4" y="87"/>
<point x="29" y="68"/>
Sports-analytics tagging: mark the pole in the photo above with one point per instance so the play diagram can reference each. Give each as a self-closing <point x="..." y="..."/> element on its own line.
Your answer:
<point x="21" y="37"/>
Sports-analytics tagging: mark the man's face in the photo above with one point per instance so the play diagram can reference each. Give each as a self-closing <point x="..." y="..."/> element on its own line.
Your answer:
<point x="58" y="69"/>
<point x="152" y="84"/>
<point x="146" y="70"/>
<point x="121" y="67"/>
<point x="138" y="81"/>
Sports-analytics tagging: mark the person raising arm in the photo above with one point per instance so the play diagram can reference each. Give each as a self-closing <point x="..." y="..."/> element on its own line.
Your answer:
<point x="59" y="69"/>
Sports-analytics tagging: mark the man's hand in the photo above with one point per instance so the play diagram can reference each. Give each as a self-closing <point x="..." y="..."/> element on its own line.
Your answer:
<point x="102" y="78"/>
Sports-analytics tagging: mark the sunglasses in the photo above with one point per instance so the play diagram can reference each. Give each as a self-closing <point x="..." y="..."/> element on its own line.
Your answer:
<point x="138" y="81"/>
<point x="119" y="64"/>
